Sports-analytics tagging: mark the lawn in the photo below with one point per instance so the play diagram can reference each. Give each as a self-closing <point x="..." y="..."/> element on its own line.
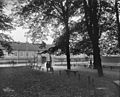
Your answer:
<point x="24" y="82"/>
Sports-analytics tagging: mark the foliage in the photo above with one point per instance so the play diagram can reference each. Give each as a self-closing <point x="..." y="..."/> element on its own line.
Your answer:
<point x="84" y="46"/>
<point x="60" y="43"/>
<point x="5" y="43"/>
<point x="5" y="21"/>
<point x="5" y="24"/>
<point x="42" y="45"/>
<point x="109" y="43"/>
<point x="37" y="13"/>
<point x="7" y="46"/>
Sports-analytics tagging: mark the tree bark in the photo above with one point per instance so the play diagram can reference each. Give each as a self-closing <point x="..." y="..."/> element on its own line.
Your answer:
<point x="68" y="57"/>
<point x="97" y="58"/>
<point x="96" y="31"/>
<point x="93" y="31"/>
<point x="67" y="46"/>
<point x="117" y="21"/>
<point x="67" y="34"/>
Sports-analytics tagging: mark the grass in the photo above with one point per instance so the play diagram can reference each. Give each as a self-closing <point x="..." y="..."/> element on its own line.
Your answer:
<point x="29" y="83"/>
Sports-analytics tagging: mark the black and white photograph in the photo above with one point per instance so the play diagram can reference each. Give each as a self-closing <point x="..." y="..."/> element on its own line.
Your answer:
<point x="59" y="48"/>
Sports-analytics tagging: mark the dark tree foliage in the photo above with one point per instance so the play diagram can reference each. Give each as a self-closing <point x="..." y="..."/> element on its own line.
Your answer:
<point x="7" y="46"/>
<point x="5" y="43"/>
<point x="5" y="24"/>
<point x="1" y="53"/>
<point x="60" y="43"/>
<point x="84" y="46"/>
<point x="5" y="21"/>
<point x="109" y="43"/>
<point x="42" y="45"/>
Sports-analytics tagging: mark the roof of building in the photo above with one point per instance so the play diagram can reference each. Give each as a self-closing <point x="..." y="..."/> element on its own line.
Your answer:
<point x="19" y="46"/>
<point x="24" y="46"/>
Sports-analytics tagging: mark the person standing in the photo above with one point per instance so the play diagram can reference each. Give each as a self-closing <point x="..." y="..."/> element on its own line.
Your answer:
<point x="91" y="64"/>
<point x="49" y="61"/>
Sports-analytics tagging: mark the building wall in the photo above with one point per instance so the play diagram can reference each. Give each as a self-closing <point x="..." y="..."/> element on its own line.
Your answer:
<point x="20" y="54"/>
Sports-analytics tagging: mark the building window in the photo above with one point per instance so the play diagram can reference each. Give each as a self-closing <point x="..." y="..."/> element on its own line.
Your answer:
<point x="29" y="54"/>
<point x="26" y="53"/>
<point x="21" y="53"/>
<point x="15" y="53"/>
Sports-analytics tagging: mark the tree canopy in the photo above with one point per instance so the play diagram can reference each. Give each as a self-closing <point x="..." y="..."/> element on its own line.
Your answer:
<point x="5" y="21"/>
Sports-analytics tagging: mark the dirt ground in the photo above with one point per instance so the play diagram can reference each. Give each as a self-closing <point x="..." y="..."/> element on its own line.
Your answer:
<point x="24" y="82"/>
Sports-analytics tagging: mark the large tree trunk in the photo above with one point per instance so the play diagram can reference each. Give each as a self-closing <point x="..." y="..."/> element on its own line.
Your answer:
<point x="97" y="58"/>
<point x="93" y="31"/>
<point x="67" y="44"/>
<point x="68" y="57"/>
<point x="96" y="49"/>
